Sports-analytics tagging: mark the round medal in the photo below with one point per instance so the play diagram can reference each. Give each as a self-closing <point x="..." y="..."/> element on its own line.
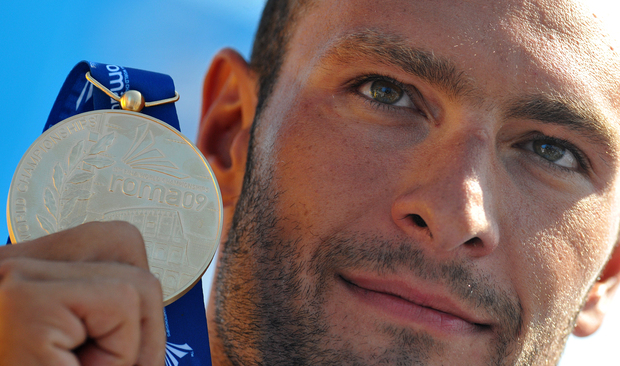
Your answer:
<point x="120" y="165"/>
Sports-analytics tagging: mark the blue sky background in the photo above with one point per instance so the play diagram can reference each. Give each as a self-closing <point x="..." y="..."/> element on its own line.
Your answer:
<point x="42" y="40"/>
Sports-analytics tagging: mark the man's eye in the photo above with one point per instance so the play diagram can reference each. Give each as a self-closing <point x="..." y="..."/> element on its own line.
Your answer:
<point x="554" y="152"/>
<point x="386" y="92"/>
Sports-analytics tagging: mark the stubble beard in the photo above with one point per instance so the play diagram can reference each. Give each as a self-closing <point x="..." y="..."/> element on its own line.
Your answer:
<point x="266" y="314"/>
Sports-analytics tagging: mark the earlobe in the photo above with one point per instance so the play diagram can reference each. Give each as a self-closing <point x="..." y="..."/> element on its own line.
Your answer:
<point x="229" y="103"/>
<point x="597" y="304"/>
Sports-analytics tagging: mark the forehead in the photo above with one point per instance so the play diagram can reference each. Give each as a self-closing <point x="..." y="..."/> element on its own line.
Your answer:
<point x="503" y="47"/>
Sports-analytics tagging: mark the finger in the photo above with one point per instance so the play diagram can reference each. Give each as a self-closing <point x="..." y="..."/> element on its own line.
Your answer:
<point x="104" y="241"/>
<point x="112" y="323"/>
<point x="153" y="339"/>
<point x="48" y="319"/>
<point x="34" y="330"/>
<point x="116" y="241"/>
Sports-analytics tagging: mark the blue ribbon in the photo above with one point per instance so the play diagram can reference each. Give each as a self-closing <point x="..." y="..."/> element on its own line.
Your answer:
<point x="186" y="325"/>
<point x="78" y="95"/>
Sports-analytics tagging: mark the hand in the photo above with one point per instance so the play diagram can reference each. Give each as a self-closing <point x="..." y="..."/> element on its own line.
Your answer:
<point x="81" y="297"/>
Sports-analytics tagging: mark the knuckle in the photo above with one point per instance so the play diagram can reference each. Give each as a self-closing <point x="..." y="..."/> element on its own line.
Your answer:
<point x="123" y="241"/>
<point x="113" y="229"/>
<point x="151" y="286"/>
<point x="128" y="241"/>
<point x="128" y="230"/>
<point x="154" y="287"/>
<point x="127" y="292"/>
<point x="10" y="267"/>
<point x="150" y="280"/>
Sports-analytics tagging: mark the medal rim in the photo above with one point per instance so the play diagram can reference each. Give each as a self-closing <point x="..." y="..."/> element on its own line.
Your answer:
<point x="219" y="226"/>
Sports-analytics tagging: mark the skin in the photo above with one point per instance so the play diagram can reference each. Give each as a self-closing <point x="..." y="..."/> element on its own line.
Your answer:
<point x="62" y="307"/>
<point x="350" y="206"/>
<point x="339" y="183"/>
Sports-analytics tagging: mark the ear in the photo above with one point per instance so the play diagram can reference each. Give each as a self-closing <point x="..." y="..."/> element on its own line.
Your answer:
<point x="599" y="298"/>
<point x="228" y="107"/>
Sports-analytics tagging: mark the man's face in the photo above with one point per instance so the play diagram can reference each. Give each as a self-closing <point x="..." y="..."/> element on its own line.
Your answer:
<point x="433" y="182"/>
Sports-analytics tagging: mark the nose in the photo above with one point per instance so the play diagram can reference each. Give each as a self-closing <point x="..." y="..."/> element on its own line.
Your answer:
<point x="448" y="197"/>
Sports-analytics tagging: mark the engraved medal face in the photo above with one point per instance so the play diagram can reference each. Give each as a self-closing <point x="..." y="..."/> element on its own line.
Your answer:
<point x="119" y="165"/>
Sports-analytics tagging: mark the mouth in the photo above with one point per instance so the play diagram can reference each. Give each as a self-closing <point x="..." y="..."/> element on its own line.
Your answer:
<point x="406" y="305"/>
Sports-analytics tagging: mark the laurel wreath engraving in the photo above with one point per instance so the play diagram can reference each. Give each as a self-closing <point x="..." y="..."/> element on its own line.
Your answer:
<point x="62" y="200"/>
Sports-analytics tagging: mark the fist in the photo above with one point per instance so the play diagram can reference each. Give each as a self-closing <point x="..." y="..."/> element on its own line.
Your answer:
<point x="83" y="296"/>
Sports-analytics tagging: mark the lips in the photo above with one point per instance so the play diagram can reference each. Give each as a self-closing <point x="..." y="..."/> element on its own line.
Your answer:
<point x="402" y="302"/>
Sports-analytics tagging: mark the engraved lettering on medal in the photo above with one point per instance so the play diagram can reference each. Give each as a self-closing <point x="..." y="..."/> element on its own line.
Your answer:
<point x="115" y="127"/>
<point x="52" y="140"/>
<point x="117" y="165"/>
<point x="20" y="218"/>
<point x="151" y="177"/>
<point x="171" y="196"/>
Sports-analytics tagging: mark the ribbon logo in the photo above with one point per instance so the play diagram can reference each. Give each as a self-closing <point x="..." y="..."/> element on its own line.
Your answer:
<point x="175" y="352"/>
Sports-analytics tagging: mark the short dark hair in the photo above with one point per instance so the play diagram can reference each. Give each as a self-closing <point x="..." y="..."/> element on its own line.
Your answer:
<point x="271" y="43"/>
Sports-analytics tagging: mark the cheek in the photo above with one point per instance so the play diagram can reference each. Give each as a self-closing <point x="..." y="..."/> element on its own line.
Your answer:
<point x="328" y="171"/>
<point x="561" y="253"/>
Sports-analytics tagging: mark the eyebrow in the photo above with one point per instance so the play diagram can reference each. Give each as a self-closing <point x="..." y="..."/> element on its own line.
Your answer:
<point x="391" y="49"/>
<point x="567" y="112"/>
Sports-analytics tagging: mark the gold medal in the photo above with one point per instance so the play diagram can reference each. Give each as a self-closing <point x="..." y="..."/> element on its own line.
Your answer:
<point x="121" y="165"/>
